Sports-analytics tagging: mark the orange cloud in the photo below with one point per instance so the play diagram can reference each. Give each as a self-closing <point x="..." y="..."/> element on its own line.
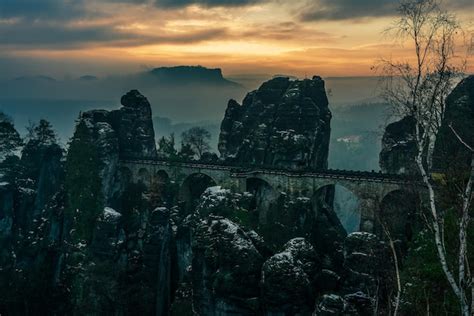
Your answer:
<point x="257" y="37"/>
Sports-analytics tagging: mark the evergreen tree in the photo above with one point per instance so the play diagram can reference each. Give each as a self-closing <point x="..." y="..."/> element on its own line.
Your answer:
<point x="186" y="152"/>
<point x="166" y="147"/>
<point x="83" y="184"/>
<point x="44" y="133"/>
<point x="41" y="145"/>
<point x="10" y="140"/>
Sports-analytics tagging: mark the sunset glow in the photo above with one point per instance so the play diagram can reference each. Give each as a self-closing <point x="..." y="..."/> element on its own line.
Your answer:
<point x="270" y="36"/>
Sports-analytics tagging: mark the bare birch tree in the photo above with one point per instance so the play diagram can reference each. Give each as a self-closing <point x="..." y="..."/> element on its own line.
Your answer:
<point x="418" y="87"/>
<point x="396" y="264"/>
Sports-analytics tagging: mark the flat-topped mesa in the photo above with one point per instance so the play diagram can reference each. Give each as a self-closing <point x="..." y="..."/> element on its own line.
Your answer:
<point x="190" y="75"/>
<point x="284" y="123"/>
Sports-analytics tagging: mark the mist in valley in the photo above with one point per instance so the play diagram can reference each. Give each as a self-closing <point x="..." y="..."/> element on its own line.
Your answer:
<point x="182" y="101"/>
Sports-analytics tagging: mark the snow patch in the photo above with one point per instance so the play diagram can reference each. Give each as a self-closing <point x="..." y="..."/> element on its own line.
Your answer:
<point x="303" y="199"/>
<point x="363" y="235"/>
<point x="216" y="190"/>
<point x="111" y="214"/>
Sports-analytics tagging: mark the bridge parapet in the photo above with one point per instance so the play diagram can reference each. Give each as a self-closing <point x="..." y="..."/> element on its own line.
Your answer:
<point x="369" y="187"/>
<point x="236" y="169"/>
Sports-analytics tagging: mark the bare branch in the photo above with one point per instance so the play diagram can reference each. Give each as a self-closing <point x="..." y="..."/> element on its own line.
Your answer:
<point x="460" y="138"/>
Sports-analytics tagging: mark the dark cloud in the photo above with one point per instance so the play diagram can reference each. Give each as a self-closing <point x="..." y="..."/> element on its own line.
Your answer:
<point x="41" y="9"/>
<point x="47" y="24"/>
<point x="61" y="10"/>
<point x="348" y="9"/>
<point x="360" y="9"/>
<point x="28" y="34"/>
<point x="207" y="3"/>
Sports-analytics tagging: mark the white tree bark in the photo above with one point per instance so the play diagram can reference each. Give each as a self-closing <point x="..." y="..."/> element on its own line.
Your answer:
<point x="419" y="90"/>
<point x="397" y="268"/>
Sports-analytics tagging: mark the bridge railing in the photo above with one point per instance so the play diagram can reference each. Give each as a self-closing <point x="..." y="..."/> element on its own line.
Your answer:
<point x="240" y="168"/>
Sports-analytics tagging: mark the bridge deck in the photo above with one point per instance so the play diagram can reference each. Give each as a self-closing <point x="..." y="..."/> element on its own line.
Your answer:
<point x="237" y="170"/>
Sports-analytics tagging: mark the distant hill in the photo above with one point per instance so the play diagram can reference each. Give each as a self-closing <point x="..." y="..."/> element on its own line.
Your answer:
<point x="39" y="78"/>
<point x="191" y="75"/>
<point x="88" y="78"/>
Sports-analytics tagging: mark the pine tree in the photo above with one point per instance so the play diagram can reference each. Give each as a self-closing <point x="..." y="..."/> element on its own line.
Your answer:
<point x="10" y="140"/>
<point x="166" y="147"/>
<point x="44" y="133"/>
<point x="83" y="184"/>
<point x="41" y="144"/>
<point x="186" y="153"/>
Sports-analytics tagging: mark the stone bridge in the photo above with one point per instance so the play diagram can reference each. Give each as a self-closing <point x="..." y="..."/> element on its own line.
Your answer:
<point x="369" y="187"/>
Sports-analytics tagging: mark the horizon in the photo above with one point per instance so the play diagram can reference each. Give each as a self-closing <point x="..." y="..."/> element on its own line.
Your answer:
<point x="106" y="38"/>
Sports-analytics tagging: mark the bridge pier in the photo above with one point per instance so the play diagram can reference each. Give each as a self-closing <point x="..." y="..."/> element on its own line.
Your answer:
<point x="236" y="184"/>
<point x="368" y="207"/>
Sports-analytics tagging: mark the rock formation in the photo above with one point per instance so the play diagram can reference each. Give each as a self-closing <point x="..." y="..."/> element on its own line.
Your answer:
<point x="124" y="133"/>
<point x="186" y="75"/>
<point x="449" y="152"/>
<point x="399" y="148"/>
<point x="284" y="123"/>
<point x="226" y="269"/>
<point x="31" y="224"/>
<point x="398" y="143"/>
<point x="132" y="125"/>
<point x="81" y="237"/>
<point x="288" y="279"/>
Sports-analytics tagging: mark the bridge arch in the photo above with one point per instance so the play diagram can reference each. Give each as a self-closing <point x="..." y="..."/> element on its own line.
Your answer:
<point x="357" y="188"/>
<point x="397" y="214"/>
<point x="192" y="188"/>
<point x="161" y="176"/>
<point x="370" y="188"/>
<point x="344" y="203"/>
<point x="161" y="193"/>
<point x="144" y="177"/>
<point x="125" y="175"/>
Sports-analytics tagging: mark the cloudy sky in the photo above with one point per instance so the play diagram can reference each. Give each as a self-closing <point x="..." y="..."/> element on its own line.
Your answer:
<point x="64" y="38"/>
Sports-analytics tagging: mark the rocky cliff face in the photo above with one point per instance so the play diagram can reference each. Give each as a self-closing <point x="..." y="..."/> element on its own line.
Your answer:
<point x="107" y="245"/>
<point x="131" y="233"/>
<point x="128" y="130"/>
<point x="288" y="279"/>
<point x="284" y="123"/>
<point x="398" y="143"/>
<point x="31" y="205"/>
<point x="124" y="133"/>
<point x="226" y="269"/>
<point x="236" y="271"/>
<point x="449" y="152"/>
<point x="399" y="148"/>
<point x="134" y="126"/>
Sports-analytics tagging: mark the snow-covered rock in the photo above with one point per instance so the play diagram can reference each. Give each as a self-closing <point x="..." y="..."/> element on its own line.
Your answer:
<point x="330" y="305"/>
<point x="111" y="215"/>
<point x="283" y="123"/>
<point x="226" y="269"/>
<point x="288" y="278"/>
